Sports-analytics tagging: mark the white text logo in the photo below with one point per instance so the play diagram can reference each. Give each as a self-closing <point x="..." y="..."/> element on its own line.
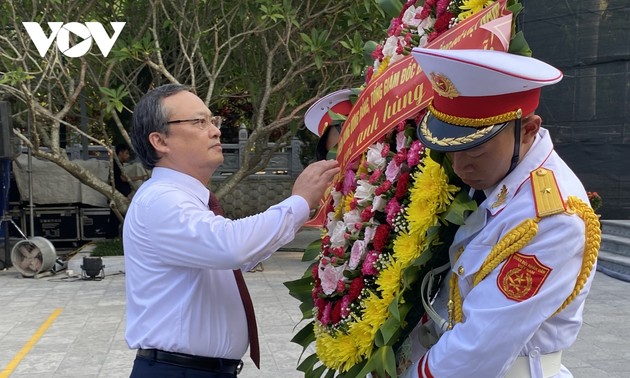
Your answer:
<point x="61" y="31"/>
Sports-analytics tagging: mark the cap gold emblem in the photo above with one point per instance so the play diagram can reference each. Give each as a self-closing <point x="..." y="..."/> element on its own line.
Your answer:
<point x="443" y="85"/>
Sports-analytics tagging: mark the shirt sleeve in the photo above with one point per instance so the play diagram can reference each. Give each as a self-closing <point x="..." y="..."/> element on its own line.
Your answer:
<point x="179" y="231"/>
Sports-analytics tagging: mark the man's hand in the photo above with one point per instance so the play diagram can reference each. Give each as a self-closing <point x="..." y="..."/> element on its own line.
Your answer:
<point x="314" y="180"/>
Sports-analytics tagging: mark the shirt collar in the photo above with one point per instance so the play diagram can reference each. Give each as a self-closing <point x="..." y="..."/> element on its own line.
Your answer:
<point x="183" y="181"/>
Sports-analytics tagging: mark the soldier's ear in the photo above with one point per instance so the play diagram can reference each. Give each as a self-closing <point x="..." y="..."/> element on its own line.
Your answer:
<point x="529" y="128"/>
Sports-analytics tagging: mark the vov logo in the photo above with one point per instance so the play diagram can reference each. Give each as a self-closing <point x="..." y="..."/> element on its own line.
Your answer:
<point x="88" y="32"/>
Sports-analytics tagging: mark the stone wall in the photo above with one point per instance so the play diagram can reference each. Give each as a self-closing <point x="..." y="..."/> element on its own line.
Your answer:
<point x="254" y="195"/>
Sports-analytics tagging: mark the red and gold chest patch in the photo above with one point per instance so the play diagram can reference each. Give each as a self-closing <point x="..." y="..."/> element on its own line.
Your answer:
<point x="522" y="276"/>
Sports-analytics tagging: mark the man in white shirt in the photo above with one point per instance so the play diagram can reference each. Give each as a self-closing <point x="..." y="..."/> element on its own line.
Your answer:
<point x="186" y="313"/>
<point x="523" y="262"/>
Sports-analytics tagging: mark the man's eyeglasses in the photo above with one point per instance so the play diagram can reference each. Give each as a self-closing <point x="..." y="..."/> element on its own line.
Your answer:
<point x="203" y="123"/>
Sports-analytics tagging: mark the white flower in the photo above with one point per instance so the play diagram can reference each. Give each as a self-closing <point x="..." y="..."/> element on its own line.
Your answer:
<point x="369" y="233"/>
<point x="374" y="157"/>
<point x="409" y="17"/>
<point x="337" y="232"/>
<point x="336" y="197"/>
<point x="330" y="275"/>
<point x="379" y="203"/>
<point x="351" y="218"/>
<point x="396" y="58"/>
<point x="365" y="192"/>
<point x="356" y="254"/>
<point x="390" y="46"/>
<point x="427" y="23"/>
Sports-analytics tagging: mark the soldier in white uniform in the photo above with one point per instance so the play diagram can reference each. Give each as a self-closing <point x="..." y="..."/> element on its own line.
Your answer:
<point x="521" y="266"/>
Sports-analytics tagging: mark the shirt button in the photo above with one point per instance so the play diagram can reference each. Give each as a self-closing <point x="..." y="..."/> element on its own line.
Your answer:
<point x="534" y="353"/>
<point x="460" y="270"/>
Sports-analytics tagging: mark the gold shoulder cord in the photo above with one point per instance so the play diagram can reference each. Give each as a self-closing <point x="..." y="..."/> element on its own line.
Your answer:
<point x="548" y="202"/>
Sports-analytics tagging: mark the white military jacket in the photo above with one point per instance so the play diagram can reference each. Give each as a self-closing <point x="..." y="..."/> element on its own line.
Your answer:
<point x="510" y="313"/>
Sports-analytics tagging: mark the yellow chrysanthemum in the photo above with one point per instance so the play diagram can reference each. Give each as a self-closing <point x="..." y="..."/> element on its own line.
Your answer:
<point x="382" y="67"/>
<point x="471" y="7"/>
<point x="347" y="202"/>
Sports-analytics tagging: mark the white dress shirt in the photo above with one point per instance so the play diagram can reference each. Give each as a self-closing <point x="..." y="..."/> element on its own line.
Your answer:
<point x="497" y="329"/>
<point x="179" y="256"/>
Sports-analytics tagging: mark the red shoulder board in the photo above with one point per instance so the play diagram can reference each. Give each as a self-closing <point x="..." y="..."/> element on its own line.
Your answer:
<point x="522" y="276"/>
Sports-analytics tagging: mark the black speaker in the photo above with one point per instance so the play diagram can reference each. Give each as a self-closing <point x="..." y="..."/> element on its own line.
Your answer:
<point x="6" y="131"/>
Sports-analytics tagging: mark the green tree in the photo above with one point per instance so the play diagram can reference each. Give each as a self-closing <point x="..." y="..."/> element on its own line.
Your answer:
<point x="277" y="56"/>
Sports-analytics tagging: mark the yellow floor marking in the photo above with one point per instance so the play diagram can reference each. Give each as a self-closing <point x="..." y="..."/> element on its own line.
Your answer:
<point x="30" y="344"/>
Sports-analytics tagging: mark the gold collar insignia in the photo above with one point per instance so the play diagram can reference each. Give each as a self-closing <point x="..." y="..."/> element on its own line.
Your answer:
<point x="501" y="197"/>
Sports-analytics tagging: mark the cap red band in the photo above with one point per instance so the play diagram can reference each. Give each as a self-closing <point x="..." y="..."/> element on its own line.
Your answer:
<point x="343" y="108"/>
<point x="488" y="106"/>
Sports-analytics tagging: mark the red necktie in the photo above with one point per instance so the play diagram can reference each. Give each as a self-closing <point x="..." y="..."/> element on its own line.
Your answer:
<point x="252" y="330"/>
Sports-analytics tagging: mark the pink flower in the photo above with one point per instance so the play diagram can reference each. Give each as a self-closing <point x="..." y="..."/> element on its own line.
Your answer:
<point x="348" y="182"/>
<point x="366" y="214"/>
<point x="392" y="208"/>
<point x="413" y="157"/>
<point x="375" y="176"/>
<point x="383" y="188"/>
<point x="326" y="316"/>
<point x="330" y="275"/>
<point x="378" y="52"/>
<point x="401" y="156"/>
<point x="341" y="286"/>
<point x="369" y="264"/>
<point x="356" y="254"/>
<point x="385" y="151"/>
<point x="392" y="171"/>
<point x="442" y="5"/>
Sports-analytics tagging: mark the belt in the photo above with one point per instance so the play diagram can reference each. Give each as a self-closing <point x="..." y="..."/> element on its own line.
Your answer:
<point x="210" y="364"/>
<point x="551" y="364"/>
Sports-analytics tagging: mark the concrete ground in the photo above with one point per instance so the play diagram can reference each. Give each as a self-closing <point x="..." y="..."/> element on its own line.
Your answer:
<point x="61" y="326"/>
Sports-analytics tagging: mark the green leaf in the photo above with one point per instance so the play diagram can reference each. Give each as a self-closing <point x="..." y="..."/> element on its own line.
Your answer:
<point x="312" y="250"/>
<point x="316" y="373"/>
<point x="354" y="371"/>
<point x="305" y="336"/>
<point x="383" y="361"/>
<point x="301" y="288"/>
<point x="308" y="363"/>
<point x="519" y="46"/>
<point x="368" y="49"/>
<point x="391" y="7"/>
<point x="456" y="212"/>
